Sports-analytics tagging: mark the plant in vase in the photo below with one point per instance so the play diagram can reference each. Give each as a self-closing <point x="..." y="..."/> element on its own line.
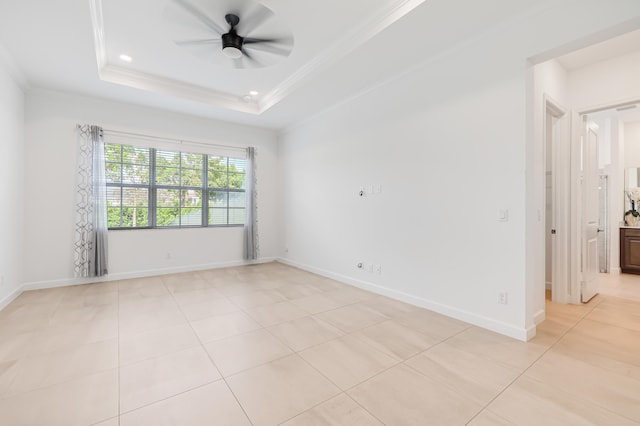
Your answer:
<point x="632" y="216"/>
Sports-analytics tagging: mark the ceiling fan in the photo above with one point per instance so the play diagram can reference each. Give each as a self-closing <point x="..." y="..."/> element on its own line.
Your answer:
<point x="252" y="38"/>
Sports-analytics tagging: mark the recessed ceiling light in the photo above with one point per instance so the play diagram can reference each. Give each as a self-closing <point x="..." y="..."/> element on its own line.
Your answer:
<point x="126" y="58"/>
<point x="254" y="93"/>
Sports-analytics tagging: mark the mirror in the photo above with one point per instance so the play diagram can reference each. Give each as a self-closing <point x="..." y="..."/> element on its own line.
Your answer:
<point x="632" y="182"/>
<point x="632" y="178"/>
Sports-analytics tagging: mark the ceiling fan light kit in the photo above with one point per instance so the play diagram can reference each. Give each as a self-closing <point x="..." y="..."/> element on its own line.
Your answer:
<point x="232" y="52"/>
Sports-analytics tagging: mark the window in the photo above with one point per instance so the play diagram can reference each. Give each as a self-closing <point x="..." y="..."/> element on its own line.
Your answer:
<point x="154" y="188"/>
<point x="128" y="190"/>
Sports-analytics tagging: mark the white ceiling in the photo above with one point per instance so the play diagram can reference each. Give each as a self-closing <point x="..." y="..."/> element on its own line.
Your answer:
<point x="340" y="49"/>
<point x="617" y="46"/>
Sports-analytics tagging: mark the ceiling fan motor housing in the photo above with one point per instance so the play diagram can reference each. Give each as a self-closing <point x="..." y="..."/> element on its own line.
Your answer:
<point x="232" y="39"/>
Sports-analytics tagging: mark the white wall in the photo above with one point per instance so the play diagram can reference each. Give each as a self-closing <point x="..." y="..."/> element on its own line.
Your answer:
<point x="50" y="147"/>
<point x="605" y="83"/>
<point x="451" y="143"/>
<point x="11" y="182"/>
<point x="632" y="144"/>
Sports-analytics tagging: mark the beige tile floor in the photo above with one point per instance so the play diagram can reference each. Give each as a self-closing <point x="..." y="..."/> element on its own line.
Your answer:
<point x="270" y="344"/>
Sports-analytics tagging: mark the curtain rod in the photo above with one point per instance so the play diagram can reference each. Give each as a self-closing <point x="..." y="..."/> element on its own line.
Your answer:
<point x="171" y="140"/>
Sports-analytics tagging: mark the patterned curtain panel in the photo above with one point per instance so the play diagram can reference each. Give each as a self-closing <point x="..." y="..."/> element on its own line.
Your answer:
<point x="91" y="205"/>
<point x="251" y="246"/>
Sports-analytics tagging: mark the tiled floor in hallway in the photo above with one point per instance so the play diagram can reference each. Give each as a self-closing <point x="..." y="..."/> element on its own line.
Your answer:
<point x="271" y="344"/>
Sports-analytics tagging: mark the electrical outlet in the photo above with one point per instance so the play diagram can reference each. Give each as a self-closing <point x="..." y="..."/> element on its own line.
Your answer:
<point x="378" y="189"/>
<point x="370" y="267"/>
<point x="378" y="269"/>
<point x="503" y="298"/>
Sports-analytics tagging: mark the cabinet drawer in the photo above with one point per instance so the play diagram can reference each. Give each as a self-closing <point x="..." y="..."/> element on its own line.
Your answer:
<point x="628" y="232"/>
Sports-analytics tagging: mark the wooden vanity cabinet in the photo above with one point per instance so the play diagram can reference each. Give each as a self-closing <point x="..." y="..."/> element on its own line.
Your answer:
<point x="630" y="250"/>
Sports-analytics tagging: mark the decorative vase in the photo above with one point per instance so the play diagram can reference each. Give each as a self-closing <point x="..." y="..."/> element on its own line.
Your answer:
<point x="630" y="219"/>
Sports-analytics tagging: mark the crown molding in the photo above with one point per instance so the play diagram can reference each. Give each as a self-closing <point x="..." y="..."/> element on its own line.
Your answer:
<point x="154" y="83"/>
<point x="339" y="50"/>
<point x="158" y="84"/>
<point x="97" y="24"/>
<point x="14" y="70"/>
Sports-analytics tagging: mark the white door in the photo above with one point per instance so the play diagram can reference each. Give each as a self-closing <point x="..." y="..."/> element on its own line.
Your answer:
<point x="590" y="211"/>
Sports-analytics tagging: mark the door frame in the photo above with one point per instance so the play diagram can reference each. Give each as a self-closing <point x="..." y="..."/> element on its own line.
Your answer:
<point x="560" y="165"/>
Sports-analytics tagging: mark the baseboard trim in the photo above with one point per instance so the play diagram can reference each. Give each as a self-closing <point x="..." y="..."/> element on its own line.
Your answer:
<point x="539" y="317"/>
<point x="10" y="298"/>
<point x="459" y="314"/>
<point x="40" y="285"/>
<point x="615" y="271"/>
<point x="531" y="332"/>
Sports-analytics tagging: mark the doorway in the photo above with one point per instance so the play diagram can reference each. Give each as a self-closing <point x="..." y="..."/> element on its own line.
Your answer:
<point x="571" y="79"/>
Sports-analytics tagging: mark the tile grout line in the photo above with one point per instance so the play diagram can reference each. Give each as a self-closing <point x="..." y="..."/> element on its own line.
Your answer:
<point x="167" y="398"/>
<point x="327" y="400"/>
<point x="322" y="374"/>
<point x="62" y="349"/>
<point x="72" y="378"/>
<point x="294" y="352"/>
<point x="337" y="387"/>
<point x="242" y="309"/>
<point x="582" y="318"/>
<point x="208" y="356"/>
<point x="400" y="361"/>
<point x="364" y="408"/>
<point x="578" y="321"/>
<point x="604" y="298"/>
<point x="345" y="391"/>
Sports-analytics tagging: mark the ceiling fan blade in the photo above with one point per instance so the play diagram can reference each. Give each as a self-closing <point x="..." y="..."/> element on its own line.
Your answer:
<point x="237" y="63"/>
<point x="252" y="20"/>
<point x="255" y="63"/>
<point x="269" y="48"/>
<point x="197" y="42"/>
<point x="200" y="16"/>
<point x="252" y="40"/>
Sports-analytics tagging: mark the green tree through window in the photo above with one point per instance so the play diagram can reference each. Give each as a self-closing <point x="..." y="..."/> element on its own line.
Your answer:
<point x="153" y="188"/>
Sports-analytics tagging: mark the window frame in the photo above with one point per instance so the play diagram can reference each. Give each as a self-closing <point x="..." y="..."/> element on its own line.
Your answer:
<point x="153" y="188"/>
